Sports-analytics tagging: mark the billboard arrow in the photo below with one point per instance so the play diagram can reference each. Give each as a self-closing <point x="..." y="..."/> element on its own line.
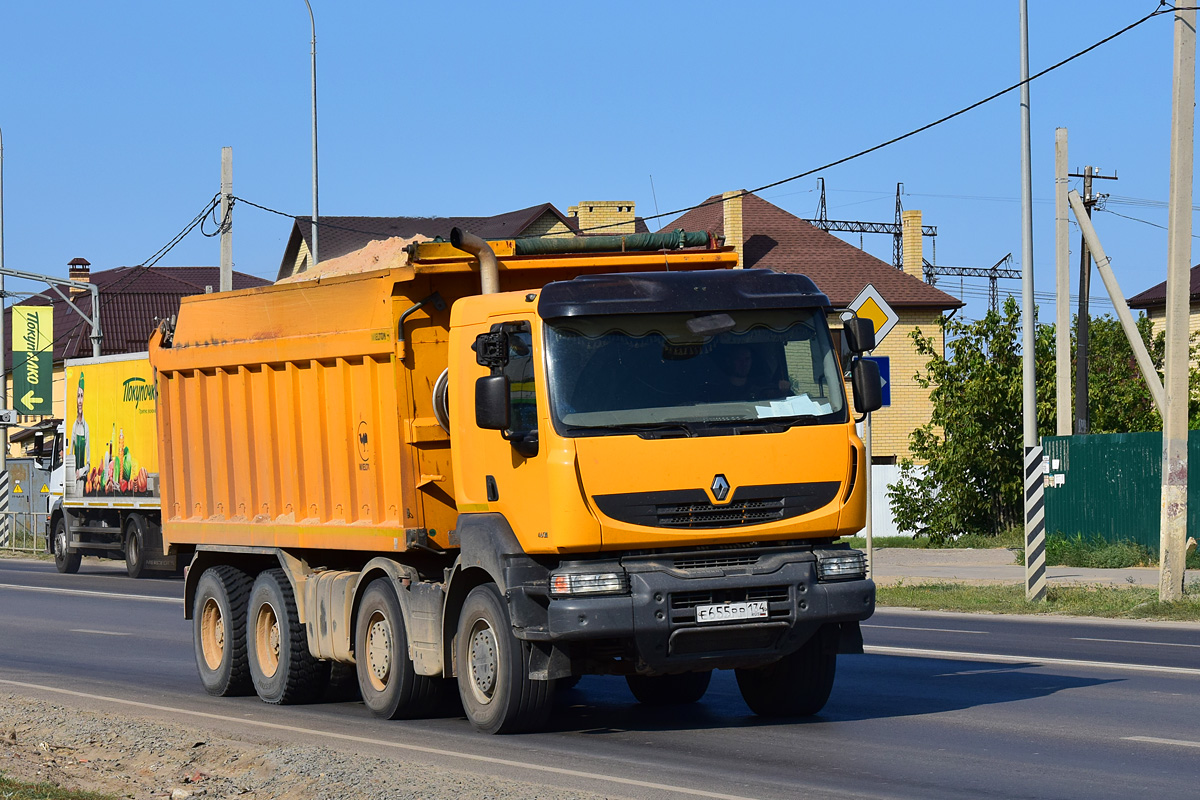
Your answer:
<point x="28" y="399"/>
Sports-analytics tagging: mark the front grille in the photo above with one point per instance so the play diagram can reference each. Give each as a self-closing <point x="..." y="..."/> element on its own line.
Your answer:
<point x="694" y="509"/>
<point x="713" y="562"/>
<point x="772" y="594"/>
<point x="707" y="515"/>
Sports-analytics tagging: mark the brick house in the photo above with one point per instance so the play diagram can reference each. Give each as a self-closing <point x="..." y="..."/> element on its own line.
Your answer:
<point x="1153" y="301"/>
<point x="766" y="236"/>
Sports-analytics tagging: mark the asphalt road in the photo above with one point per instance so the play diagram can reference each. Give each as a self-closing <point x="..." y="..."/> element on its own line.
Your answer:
<point x="942" y="705"/>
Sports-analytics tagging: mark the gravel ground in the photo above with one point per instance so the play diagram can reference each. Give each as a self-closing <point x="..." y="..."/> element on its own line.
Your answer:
<point x="141" y="758"/>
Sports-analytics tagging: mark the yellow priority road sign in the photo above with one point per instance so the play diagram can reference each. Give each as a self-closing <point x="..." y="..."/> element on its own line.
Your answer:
<point x="870" y="305"/>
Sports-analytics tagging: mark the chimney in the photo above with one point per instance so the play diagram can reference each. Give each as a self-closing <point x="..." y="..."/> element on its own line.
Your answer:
<point x="611" y="216"/>
<point x="914" y="252"/>
<point x="81" y="271"/>
<point x="731" y="209"/>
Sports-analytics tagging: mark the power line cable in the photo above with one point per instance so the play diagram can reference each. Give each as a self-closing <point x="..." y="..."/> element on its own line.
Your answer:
<point x="1160" y="9"/>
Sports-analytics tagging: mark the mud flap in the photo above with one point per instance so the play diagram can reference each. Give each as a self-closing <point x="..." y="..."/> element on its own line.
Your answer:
<point x="850" y="638"/>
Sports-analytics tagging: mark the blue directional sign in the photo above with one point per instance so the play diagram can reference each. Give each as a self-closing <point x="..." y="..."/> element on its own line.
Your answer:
<point x="885" y="376"/>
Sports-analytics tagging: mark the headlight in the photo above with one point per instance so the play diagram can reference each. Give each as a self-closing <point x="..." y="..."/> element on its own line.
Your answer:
<point x="567" y="584"/>
<point x="841" y="565"/>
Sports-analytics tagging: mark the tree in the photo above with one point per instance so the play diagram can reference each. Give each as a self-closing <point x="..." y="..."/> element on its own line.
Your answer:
<point x="972" y="448"/>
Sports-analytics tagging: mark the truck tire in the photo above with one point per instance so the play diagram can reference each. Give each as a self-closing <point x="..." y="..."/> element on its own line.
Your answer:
<point x="282" y="668"/>
<point x="797" y="685"/>
<point x="390" y="685"/>
<point x="493" y="669"/>
<point x="64" y="562"/>
<point x="219" y="631"/>
<point x="135" y="546"/>
<point x="669" y="690"/>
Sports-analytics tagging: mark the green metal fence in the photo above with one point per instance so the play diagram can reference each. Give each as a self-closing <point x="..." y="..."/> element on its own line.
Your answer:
<point x="1110" y="485"/>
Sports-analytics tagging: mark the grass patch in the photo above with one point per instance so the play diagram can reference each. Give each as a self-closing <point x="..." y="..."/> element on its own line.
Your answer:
<point x="1098" y="553"/>
<point x="1011" y="538"/>
<point x="16" y="790"/>
<point x="1133" y="602"/>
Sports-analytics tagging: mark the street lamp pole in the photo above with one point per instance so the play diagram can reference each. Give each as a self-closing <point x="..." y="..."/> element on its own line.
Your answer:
<point x="3" y="363"/>
<point x="315" y="212"/>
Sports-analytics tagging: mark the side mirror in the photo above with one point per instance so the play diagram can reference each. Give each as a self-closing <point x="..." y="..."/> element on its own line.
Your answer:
<point x="860" y="335"/>
<point x="867" y="386"/>
<point x="491" y="402"/>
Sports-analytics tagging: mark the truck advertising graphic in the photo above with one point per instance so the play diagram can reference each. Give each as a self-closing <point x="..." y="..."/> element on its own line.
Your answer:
<point x="110" y="504"/>
<point x="111" y="437"/>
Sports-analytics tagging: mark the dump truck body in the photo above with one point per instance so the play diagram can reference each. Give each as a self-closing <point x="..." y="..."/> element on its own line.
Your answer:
<point x="514" y="488"/>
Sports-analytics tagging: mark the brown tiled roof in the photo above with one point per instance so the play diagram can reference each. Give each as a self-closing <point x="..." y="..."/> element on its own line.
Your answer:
<point x="778" y="240"/>
<point x="342" y="235"/>
<point x="1156" y="296"/>
<point x="132" y="300"/>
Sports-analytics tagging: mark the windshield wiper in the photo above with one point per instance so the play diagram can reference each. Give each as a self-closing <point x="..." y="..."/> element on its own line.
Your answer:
<point x="642" y="427"/>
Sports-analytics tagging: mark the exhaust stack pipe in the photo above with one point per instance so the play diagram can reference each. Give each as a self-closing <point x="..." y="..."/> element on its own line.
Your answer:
<point x="489" y="271"/>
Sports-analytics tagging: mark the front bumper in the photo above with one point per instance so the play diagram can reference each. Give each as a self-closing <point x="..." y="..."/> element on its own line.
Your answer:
<point x="658" y="616"/>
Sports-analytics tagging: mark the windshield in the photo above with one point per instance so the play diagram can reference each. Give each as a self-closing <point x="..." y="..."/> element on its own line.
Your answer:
<point x="695" y="373"/>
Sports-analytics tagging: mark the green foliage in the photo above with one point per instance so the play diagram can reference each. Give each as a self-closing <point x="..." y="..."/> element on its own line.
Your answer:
<point x="972" y="445"/>
<point x="971" y="481"/>
<point x="1118" y="399"/>
<point x="1133" y="602"/>
<point x="1093" y="552"/>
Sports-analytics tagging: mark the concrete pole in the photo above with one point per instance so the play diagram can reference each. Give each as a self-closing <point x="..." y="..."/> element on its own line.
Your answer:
<point x="1104" y="267"/>
<point x="1035" y="529"/>
<point x="1062" y="288"/>
<point x="316" y="213"/>
<point x="3" y="357"/>
<point x="226" y="219"/>
<point x="97" y="336"/>
<point x="1173" y="521"/>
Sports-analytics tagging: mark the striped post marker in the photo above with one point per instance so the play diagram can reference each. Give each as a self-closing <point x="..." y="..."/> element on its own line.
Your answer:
<point x="5" y="520"/>
<point x="1035" y="526"/>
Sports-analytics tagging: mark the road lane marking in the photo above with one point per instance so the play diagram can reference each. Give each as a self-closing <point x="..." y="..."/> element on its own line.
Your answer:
<point x="914" y="628"/>
<point x="1156" y="740"/>
<point x="86" y="593"/>
<point x="102" y="633"/>
<point x="1129" y="641"/>
<point x="225" y="720"/>
<point x="1028" y="660"/>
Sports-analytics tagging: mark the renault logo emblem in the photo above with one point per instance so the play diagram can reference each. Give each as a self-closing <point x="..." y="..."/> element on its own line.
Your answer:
<point x="720" y="488"/>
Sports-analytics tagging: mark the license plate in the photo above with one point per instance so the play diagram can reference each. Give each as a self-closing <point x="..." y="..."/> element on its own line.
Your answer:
<point x="754" y="609"/>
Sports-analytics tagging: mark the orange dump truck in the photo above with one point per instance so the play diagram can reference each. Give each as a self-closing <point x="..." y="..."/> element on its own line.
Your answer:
<point x="599" y="463"/>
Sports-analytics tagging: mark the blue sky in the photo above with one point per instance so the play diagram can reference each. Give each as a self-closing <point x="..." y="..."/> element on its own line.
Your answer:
<point x="113" y="116"/>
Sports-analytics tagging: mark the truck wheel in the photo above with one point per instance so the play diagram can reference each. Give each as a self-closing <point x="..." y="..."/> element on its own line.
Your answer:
<point x="797" y="685"/>
<point x="281" y="666"/>
<point x="135" y="541"/>
<point x="64" y="562"/>
<point x="669" y="690"/>
<point x="219" y="632"/>
<point x="390" y="685"/>
<point x="493" y="672"/>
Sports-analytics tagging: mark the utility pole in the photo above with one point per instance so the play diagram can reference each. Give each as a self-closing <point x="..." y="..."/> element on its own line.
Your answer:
<point x="226" y="219"/>
<point x="316" y="213"/>
<point x="1173" y="518"/>
<point x="1062" y="289"/>
<point x="1035" y="520"/>
<point x="1082" y="422"/>
<point x="4" y="496"/>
